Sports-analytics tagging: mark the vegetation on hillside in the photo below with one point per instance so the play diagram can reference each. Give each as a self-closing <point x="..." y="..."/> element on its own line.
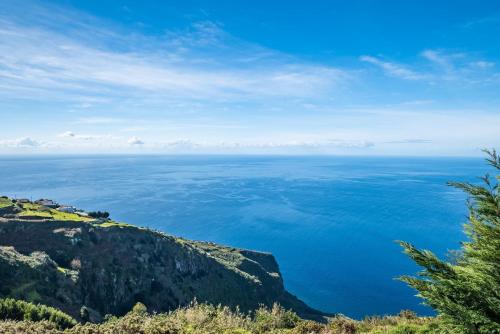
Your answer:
<point x="33" y="211"/>
<point x="107" y="266"/>
<point x="5" y="202"/>
<point x="207" y="319"/>
<point x="20" y="310"/>
<point x="99" y="214"/>
<point x="466" y="292"/>
<point x="36" y="210"/>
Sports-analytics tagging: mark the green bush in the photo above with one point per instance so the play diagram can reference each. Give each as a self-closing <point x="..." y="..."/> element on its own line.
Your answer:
<point x="208" y="319"/>
<point x="407" y="314"/>
<point x="99" y="214"/>
<point x="11" y="309"/>
<point x="466" y="292"/>
<point x="275" y="318"/>
<point x="139" y="308"/>
<point x="405" y="329"/>
<point x="308" y="327"/>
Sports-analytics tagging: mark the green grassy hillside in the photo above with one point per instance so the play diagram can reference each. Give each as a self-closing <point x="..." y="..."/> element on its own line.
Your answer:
<point x="72" y="261"/>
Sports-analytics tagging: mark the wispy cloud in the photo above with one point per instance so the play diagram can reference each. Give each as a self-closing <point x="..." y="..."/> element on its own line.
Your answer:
<point x="99" y="120"/>
<point x="195" y="64"/>
<point x="439" y="65"/>
<point x="393" y="69"/>
<point x="198" y="88"/>
<point x="67" y="134"/>
<point x="70" y="135"/>
<point x="482" y="64"/>
<point x="440" y="59"/>
<point x="410" y="141"/>
<point x="483" y="21"/>
<point x="460" y="67"/>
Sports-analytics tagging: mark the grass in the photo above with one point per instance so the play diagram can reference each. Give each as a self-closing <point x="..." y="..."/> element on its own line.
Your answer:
<point x="31" y="206"/>
<point x="34" y="213"/>
<point x="34" y="210"/>
<point x="5" y="202"/>
<point x="58" y="215"/>
<point x="230" y="257"/>
<point x="112" y="223"/>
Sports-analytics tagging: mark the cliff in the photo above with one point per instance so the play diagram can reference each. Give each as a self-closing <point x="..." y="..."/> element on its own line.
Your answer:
<point x="106" y="267"/>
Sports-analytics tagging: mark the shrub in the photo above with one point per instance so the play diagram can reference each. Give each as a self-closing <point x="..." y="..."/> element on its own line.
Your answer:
<point x="139" y="308"/>
<point x="410" y="329"/>
<point x="407" y="314"/>
<point x="84" y="313"/>
<point x="342" y="325"/>
<point x="20" y="310"/>
<point x="308" y="327"/>
<point x="99" y="214"/>
<point x="466" y="292"/>
<point x="275" y="318"/>
<point x="29" y="327"/>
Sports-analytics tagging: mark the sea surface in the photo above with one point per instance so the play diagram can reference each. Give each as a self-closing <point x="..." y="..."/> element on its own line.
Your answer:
<point x="331" y="222"/>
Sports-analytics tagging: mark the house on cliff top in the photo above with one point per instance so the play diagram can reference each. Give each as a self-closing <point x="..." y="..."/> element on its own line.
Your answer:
<point x="48" y="203"/>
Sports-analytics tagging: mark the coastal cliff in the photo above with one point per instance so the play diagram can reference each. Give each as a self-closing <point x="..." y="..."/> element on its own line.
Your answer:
<point x="89" y="267"/>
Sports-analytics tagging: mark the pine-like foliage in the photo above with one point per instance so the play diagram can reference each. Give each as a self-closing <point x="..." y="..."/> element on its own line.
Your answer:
<point x="11" y="309"/>
<point x="466" y="293"/>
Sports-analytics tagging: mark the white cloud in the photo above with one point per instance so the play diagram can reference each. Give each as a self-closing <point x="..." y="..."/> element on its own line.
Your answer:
<point x="482" y="64"/>
<point x="445" y="67"/>
<point x="394" y="69"/>
<point x="313" y="146"/>
<point x="439" y="58"/>
<point x="135" y="141"/>
<point x="181" y="145"/>
<point x="93" y="137"/>
<point x="483" y="21"/>
<point x="203" y="63"/>
<point x="461" y="67"/>
<point x="87" y="137"/>
<point x="24" y="142"/>
<point x="67" y="134"/>
<point x="329" y="143"/>
<point x="222" y="93"/>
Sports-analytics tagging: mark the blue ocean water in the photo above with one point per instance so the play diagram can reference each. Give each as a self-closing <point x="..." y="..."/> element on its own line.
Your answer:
<point x="331" y="222"/>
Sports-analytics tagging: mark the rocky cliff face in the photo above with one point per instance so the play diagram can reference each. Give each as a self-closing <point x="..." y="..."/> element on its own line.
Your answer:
<point x="107" y="269"/>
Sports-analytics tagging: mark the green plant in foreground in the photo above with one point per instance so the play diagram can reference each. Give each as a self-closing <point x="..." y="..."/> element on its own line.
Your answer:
<point x="208" y="319"/>
<point x="466" y="293"/>
<point x="20" y="310"/>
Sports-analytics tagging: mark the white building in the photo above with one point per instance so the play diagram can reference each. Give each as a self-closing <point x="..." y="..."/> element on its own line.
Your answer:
<point x="47" y="202"/>
<point x="67" y="209"/>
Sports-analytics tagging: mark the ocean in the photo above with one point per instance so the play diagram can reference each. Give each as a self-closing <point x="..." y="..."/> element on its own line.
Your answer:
<point x="331" y="222"/>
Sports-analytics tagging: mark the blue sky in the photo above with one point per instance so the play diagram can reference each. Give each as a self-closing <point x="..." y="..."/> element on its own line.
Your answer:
<point x="256" y="77"/>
